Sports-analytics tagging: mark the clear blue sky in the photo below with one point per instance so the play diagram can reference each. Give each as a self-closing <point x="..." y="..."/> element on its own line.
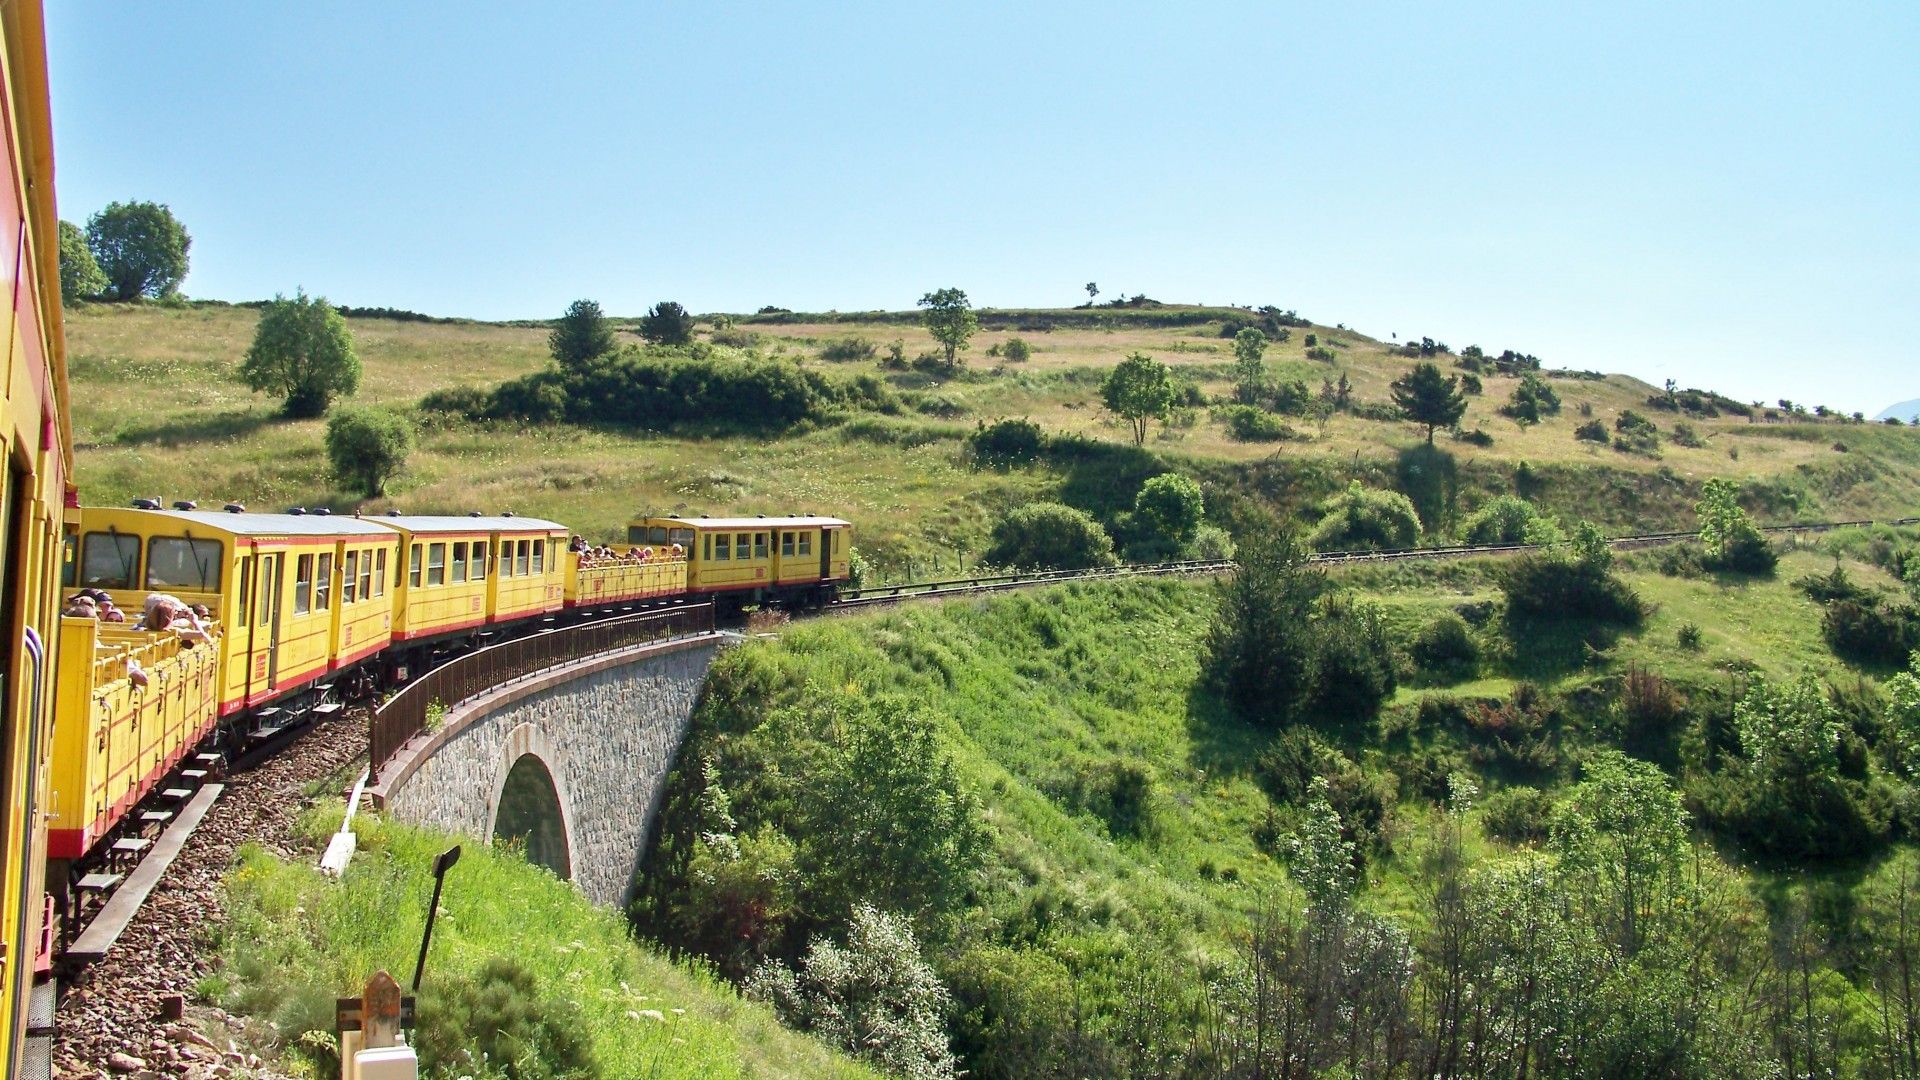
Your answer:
<point x="1728" y="194"/>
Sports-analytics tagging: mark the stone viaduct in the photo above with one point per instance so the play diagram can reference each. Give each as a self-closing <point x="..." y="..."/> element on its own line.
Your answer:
<point x="572" y="761"/>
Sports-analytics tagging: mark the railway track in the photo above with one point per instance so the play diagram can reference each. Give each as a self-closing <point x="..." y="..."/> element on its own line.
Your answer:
<point x="989" y="583"/>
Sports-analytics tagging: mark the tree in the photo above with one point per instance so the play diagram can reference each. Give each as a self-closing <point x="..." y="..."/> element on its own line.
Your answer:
<point x="1362" y="519"/>
<point x="1016" y="350"/>
<point x="951" y="321"/>
<point x="141" y="248"/>
<point x="1139" y="389"/>
<point x="1533" y="400"/>
<point x="667" y="323"/>
<point x="302" y="351"/>
<point x="1093" y="290"/>
<point x="1503" y="520"/>
<point x="80" y="276"/>
<point x="1624" y="830"/>
<point x="1049" y="536"/>
<point x="367" y="447"/>
<point x="580" y="335"/>
<point x="1430" y="398"/>
<point x="1261" y="649"/>
<point x="1249" y="370"/>
<point x="1732" y="540"/>
<point x="1171" y="506"/>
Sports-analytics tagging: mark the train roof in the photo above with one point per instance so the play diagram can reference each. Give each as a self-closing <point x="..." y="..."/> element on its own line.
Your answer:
<point x="754" y="522"/>
<point x="450" y="523"/>
<point x="243" y="523"/>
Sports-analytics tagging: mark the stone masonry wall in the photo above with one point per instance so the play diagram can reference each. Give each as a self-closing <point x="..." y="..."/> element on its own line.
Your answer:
<point x="608" y="730"/>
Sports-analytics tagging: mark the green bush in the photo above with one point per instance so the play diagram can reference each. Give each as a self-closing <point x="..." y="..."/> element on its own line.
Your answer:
<point x="1532" y="401"/>
<point x="1354" y="669"/>
<point x="1635" y="433"/>
<point x="1593" y="431"/>
<point x="1867" y="632"/>
<point x="667" y="323"/>
<point x="1169" y="507"/>
<point x="1250" y="423"/>
<point x="1830" y="587"/>
<point x="1360" y="519"/>
<point x="494" y="1022"/>
<point x="1016" y="350"/>
<point x="1213" y="544"/>
<point x="1571" y="580"/>
<point x="1007" y="442"/>
<point x="468" y="402"/>
<point x="848" y="349"/>
<point x="1503" y="520"/>
<point x="1445" y="649"/>
<point x="1049" y="536"/>
<point x="1262" y="649"/>
<point x="367" y="448"/>
<point x="1286" y="769"/>
<point x="1518" y="815"/>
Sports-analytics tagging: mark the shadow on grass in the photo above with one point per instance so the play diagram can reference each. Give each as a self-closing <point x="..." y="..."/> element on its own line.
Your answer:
<point x="196" y="429"/>
<point x="1222" y="743"/>
<point x="1545" y="650"/>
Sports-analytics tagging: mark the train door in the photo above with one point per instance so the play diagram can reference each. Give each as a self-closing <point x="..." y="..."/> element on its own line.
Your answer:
<point x="269" y="613"/>
<point x="22" y="717"/>
<point x="826" y="553"/>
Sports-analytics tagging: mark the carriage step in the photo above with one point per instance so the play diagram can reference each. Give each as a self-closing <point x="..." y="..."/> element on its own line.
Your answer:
<point x="175" y="794"/>
<point x="210" y="761"/>
<point x="328" y="708"/>
<point x="107" y="926"/>
<point x="40" y="1008"/>
<point x="97" y="883"/>
<point x="195" y="775"/>
<point x="156" y="817"/>
<point x="129" y="845"/>
<point x="267" y="731"/>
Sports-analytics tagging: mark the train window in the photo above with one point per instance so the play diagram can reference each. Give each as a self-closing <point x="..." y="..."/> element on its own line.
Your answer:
<point x="366" y="575"/>
<point x="477" y="563"/>
<point x="636" y="534"/>
<point x="707" y="552"/>
<point x="683" y="537"/>
<point x="270" y="567"/>
<point x="108" y="561"/>
<point x="380" y="572"/>
<point x="657" y="535"/>
<point x="539" y="556"/>
<point x="413" y="567"/>
<point x="323" y="584"/>
<point x="522" y="558"/>
<point x="350" y="580"/>
<point x="243" y="596"/>
<point x="436" y="564"/>
<point x="759" y="545"/>
<point x="740" y="543"/>
<point x="723" y="547"/>
<point x="177" y="562"/>
<point x="459" y="566"/>
<point x="786" y="545"/>
<point x="806" y="543"/>
<point x="303" y="585"/>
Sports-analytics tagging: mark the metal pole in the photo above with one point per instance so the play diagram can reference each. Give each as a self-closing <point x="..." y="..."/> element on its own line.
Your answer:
<point x="440" y="867"/>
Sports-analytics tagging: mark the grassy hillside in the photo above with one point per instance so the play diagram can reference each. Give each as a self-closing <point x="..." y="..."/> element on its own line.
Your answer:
<point x="295" y="939"/>
<point x="157" y="412"/>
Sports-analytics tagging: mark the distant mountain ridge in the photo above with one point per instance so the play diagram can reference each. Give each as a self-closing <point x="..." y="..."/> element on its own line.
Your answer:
<point x="1906" y="410"/>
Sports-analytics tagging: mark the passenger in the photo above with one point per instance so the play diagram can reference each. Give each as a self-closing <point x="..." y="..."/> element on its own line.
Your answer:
<point x="136" y="674"/>
<point x="677" y="551"/>
<point x="646" y="554"/>
<point x="110" y="613"/>
<point x="577" y="544"/>
<point x="81" y="607"/>
<point x="163" y="612"/>
<point x="201" y="612"/>
<point x="634" y="553"/>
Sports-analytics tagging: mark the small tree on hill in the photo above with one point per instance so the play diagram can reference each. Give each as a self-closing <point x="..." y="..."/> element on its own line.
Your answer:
<point x="367" y="447"/>
<point x="951" y="321"/>
<point x="80" y="276"/>
<point x="141" y="248"/>
<point x="1732" y="540"/>
<point x="1093" y="290"/>
<point x="1249" y="369"/>
<point x="667" y="323"/>
<point x="302" y="351"/>
<point x="1139" y="389"/>
<point x="1262" y="650"/>
<point x="1170" y="506"/>
<point x="1430" y="398"/>
<point x="580" y="335"/>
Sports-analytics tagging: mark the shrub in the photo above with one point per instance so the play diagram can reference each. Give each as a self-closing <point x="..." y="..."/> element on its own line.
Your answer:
<point x="873" y="997"/>
<point x="367" y="447"/>
<point x="1170" y="507"/>
<point x="1476" y="437"/>
<point x="1360" y="519"/>
<point x="469" y="402"/>
<point x="1518" y="815"/>
<point x="736" y="337"/>
<point x="1049" y="536"/>
<point x="667" y="323"/>
<point x="1213" y="544"/>
<point x="1831" y="587"/>
<point x="1635" y="433"/>
<point x="1285" y="770"/>
<point x="1685" y="435"/>
<point x="1871" y="633"/>
<point x="848" y="349"/>
<point x="1354" y="666"/>
<point x="1007" y="442"/>
<point x="650" y="390"/>
<point x="1016" y="350"/>
<point x="1592" y="431"/>
<point x="1689" y="637"/>
<point x="1321" y="353"/>
<point x="1503" y="520"/>
<point x="1250" y="423"/>
<point x="1445" y="649"/>
<point x="1533" y="400"/>
<point x="540" y="398"/>
<point x="1728" y="535"/>
<point x="1571" y="580"/>
<point x="499" y="1011"/>
<point x="1261" y="647"/>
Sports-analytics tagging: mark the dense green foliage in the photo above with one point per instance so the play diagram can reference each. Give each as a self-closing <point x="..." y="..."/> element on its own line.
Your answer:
<point x="1727" y="532"/>
<point x="1049" y="536"/>
<point x="1571" y="580"/>
<point x="1532" y="401"/>
<point x="141" y="248"/>
<point x="1362" y="519"/>
<point x="1428" y="397"/>
<point x="1169" y="510"/>
<point x="667" y="323"/>
<point x="303" y="352"/>
<point x="580" y="336"/>
<point x="1250" y="423"/>
<point x="80" y="275"/>
<point x="496" y="1020"/>
<point x="1502" y="520"/>
<point x="1249" y="367"/>
<point x="1137" y="390"/>
<point x="367" y="448"/>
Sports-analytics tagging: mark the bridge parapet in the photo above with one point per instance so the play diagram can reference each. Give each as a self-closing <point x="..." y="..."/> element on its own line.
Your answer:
<point x="604" y="731"/>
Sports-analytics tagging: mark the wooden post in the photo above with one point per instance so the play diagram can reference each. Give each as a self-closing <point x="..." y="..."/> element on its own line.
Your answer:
<point x="380" y="1012"/>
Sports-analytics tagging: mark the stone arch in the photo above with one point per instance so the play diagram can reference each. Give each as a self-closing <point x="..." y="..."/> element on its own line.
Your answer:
<point x="530" y="803"/>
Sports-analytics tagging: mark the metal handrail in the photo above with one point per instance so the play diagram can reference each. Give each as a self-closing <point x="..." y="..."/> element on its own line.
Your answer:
<point x="404" y="715"/>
